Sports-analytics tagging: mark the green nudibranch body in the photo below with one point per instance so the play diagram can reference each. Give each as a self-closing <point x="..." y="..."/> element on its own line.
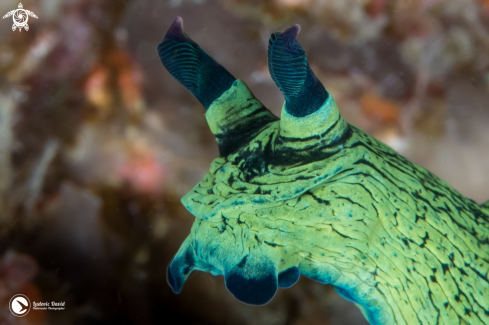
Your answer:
<point x="316" y="196"/>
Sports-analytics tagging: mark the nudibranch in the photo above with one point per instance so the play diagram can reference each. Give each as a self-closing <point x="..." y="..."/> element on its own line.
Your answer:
<point x="311" y="194"/>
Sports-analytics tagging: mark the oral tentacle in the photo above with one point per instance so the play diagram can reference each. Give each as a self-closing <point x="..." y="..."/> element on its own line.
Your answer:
<point x="253" y="280"/>
<point x="200" y="74"/>
<point x="288" y="277"/>
<point x="181" y="266"/>
<point x="287" y="62"/>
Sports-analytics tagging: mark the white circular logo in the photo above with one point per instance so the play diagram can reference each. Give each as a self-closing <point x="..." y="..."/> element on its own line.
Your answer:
<point x="19" y="305"/>
<point x="20" y="17"/>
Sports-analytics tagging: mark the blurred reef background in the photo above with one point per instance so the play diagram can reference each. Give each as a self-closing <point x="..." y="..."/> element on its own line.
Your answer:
<point x="98" y="142"/>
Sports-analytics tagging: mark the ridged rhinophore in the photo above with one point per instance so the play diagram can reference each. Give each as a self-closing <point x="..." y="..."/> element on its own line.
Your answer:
<point x="287" y="62"/>
<point x="182" y="60"/>
<point x="191" y="66"/>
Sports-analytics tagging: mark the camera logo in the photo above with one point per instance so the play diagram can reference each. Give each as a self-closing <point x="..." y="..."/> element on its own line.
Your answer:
<point x="19" y="305"/>
<point x="20" y="17"/>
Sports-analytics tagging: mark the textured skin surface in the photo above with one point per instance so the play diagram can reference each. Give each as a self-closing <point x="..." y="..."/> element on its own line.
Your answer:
<point x="348" y="211"/>
<point x="316" y="196"/>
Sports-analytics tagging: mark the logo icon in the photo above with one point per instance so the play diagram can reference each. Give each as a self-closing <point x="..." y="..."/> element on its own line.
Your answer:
<point x="19" y="305"/>
<point x="20" y="17"/>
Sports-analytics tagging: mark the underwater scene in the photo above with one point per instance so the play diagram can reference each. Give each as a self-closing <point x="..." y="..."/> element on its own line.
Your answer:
<point x="274" y="162"/>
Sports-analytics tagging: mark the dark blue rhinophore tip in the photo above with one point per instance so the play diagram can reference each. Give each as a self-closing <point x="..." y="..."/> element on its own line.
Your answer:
<point x="289" y="277"/>
<point x="206" y="79"/>
<point x="287" y="63"/>
<point x="292" y="32"/>
<point x="175" y="31"/>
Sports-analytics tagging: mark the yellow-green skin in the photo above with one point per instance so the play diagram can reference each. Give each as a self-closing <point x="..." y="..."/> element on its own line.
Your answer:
<point x="322" y="195"/>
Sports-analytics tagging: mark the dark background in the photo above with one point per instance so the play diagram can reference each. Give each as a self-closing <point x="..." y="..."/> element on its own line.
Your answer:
<point x="98" y="142"/>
